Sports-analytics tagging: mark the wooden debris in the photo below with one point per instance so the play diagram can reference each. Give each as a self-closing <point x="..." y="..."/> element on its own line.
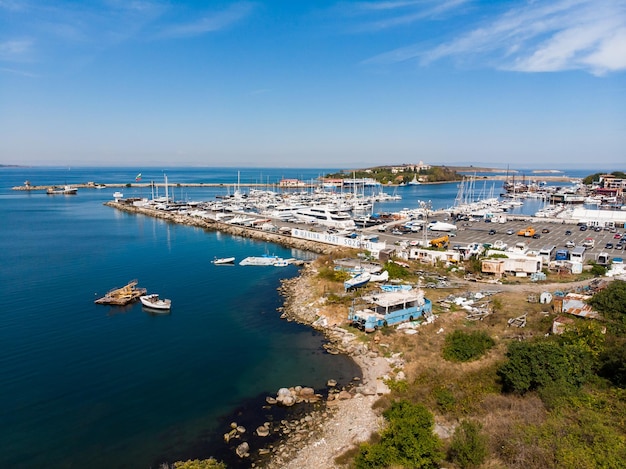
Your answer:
<point x="519" y="321"/>
<point x="122" y="296"/>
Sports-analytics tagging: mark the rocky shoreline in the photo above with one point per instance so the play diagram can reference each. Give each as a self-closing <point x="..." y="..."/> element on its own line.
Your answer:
<point x="349" y="418"/>
<point x="331" y="425"/>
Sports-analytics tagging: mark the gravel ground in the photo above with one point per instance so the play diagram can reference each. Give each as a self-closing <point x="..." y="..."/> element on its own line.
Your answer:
<point x="348" y="422"/>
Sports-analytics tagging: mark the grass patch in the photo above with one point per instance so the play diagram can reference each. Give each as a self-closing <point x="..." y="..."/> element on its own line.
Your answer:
<point x="463" y="346"/>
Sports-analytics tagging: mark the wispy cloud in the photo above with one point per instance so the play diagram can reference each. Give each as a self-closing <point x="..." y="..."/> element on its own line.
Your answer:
<point x="22" y="73"/>
<point x="15" y="50"/>
<point x="11" y="5"/>
<point x="537" y="37"/>
<point x="209" y="22"/>
<point x="381" y="15"/>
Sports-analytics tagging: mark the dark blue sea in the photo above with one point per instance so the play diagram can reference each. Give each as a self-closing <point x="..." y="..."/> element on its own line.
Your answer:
<point x="87" y="385"/>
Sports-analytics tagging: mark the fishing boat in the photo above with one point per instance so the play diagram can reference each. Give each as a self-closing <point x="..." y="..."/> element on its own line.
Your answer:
<point x="153" y="301"/>
<point x="223" y="261"/>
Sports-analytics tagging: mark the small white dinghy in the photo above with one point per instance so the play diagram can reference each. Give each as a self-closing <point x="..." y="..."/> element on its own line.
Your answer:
<point x="154" y="302"/>
<point x="223" y="260"/>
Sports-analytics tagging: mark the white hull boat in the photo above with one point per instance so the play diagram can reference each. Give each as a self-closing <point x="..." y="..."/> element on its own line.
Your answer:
<point x="357" y="281"/>
<point x="261" y="260"/>
<point x="154" y="302"/>
<point x="223" y="261"/>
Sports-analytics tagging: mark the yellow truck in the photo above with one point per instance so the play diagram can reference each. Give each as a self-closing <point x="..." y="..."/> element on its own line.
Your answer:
<point x="441" y="242"/>
<point x="528" y="232"/>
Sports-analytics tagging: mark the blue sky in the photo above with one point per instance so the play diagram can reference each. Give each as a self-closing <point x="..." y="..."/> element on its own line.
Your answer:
<point x="313" y="83"/>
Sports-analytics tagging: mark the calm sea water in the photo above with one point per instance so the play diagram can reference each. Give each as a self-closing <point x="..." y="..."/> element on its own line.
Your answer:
<point x="86" y="385"/>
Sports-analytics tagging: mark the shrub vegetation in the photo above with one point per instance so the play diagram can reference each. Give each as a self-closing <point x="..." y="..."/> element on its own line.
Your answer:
<point x="463" y="346"/>
<point x="407" y="441"/>
<point x="468" y="449"/>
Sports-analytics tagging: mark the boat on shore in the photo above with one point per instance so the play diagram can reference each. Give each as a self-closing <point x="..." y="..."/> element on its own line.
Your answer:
<point x="223" y="261"/>
<point x="153" y="301"/>
<point x="65" y="190"/>
<point x="357" y="281"/>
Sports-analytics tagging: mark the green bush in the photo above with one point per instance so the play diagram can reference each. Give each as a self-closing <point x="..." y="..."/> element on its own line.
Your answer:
<point x="543" y="363"/>
<point x="463" y="346"/>
<point x="611" y="302"/>
<point x="407" y="441"/>
<point x="444" y="398"/>
<point x="199" y="464"/>
<point x="612" y="364"/>
<point x="396" y="270"/>
<point x="469" y="447"/>
<point x="333" y="275"/>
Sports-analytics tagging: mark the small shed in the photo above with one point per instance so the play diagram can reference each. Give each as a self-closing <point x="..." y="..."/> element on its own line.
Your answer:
<point x="545" y="298"/>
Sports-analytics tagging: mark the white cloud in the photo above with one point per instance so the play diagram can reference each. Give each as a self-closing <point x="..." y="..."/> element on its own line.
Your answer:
<point x="17" y="72"/>
<point x="15" y="50"/>
<point x="381" y="15"/>
<point x="216" y="21"/>
<point x="537" y="37"/>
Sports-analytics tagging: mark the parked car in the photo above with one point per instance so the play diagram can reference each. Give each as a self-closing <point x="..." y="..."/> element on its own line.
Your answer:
<point x="492" y="232"/>
<point x="583" y="228"/>
<point x="568" y="232"/>
<point x="510" y="232"/>
<point x="545" y="230"/>
<point x="570" y="244"/>
<point x="536" y="236"/>
<point x="608" y="246"/>
<point x="617" y="236"/>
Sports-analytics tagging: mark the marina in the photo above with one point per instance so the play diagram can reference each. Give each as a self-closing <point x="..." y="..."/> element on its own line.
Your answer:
<point x="170" y="246"/>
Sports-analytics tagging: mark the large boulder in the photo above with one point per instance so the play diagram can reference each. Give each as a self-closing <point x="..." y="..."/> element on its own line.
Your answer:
<point x="263" y="430"/>
<point x="243" y="450"/>
<point x="285" y="397"/>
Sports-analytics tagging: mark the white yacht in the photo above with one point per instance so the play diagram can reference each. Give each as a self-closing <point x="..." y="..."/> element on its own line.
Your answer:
<point x="327" y="216"/>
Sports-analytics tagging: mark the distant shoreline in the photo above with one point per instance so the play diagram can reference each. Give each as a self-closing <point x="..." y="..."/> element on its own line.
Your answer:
<point x="43" y="187"/>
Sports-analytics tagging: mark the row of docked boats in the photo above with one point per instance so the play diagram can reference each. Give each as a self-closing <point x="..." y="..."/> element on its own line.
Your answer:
<point x="337" y="210"/>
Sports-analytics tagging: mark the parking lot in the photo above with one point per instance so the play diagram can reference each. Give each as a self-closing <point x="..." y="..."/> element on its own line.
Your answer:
<point x="550" y="233"/>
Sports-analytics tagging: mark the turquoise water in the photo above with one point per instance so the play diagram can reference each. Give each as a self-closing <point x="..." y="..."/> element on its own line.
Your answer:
<point x="86" y="385"/>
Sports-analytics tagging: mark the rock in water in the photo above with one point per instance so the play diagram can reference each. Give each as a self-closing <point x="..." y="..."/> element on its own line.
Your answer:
<point x="243" y="450"/>
<point x="263" y="430"/>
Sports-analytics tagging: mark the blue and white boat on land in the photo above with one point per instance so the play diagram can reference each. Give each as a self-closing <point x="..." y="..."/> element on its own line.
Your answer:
<point x="357" y="281"/>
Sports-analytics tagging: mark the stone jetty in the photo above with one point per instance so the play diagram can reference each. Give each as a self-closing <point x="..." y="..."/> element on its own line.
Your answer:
<point x="236" y="230"/>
